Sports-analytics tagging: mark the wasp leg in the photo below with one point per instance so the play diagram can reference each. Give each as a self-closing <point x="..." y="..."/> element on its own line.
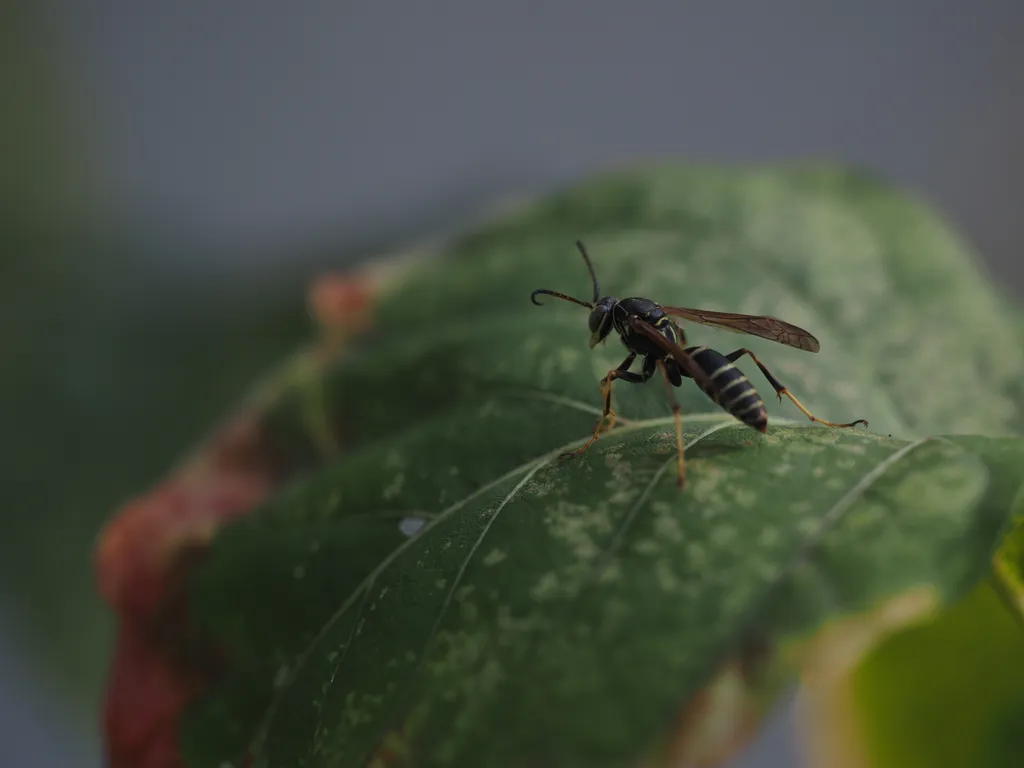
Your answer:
<point x="781" y="390"/>
<point x="622" y="372"/>
<point x="680" y="460"/>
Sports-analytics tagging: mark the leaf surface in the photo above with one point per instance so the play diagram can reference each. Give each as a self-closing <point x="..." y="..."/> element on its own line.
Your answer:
<point x="447" y="594"/>
<point x="949" y="690"/>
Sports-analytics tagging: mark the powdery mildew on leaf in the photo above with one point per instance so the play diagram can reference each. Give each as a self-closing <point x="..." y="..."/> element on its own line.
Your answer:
<point x="566" y="613"/>
<point x="945" y="690"/>
<point x="590" y="605"/>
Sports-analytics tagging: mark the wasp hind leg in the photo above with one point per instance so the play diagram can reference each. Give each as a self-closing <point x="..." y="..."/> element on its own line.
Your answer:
<point x="623" y="373"/>
<point x="676" y="413"/>
<point x="781" y="390"/>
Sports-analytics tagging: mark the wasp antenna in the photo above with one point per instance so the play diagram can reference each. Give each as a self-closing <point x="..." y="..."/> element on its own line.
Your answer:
<point x="590" y="268"/>
<point x="557" y="295"/>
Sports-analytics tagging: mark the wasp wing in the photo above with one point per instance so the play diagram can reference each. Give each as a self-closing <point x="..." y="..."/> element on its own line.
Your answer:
<point x="755" y="325"/>
<point x="672" y="349"/>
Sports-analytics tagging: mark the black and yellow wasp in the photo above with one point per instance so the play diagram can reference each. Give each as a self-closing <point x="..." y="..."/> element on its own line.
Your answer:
<point x="647" y="329"/>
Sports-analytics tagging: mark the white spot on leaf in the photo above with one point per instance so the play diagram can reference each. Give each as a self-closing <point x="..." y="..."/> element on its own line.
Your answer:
<point x="494" y="557"/>
<point x="410" y="526"/>
<point x="395" y="487"/>
<point x="723" y="535"/>
<point x="768" y="537"/>
<point x="667" y="579"/>
<point x="282" y="677"/>
<point x="546" y="587"/>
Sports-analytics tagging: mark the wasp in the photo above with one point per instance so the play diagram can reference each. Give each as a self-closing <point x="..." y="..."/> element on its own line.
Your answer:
<point x="647" y="330"/>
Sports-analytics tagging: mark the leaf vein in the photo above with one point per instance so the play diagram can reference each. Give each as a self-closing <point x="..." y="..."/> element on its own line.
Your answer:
<point x="627" y="521"/>
<point x="828" y="522"/>
<point x="337" y="666"/>
<point x="386" y="563"/>
<point x="838" y="510"/>
<point x="469" y="556"/>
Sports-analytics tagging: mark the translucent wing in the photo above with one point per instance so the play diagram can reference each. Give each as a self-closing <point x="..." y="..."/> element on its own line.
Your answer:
<point x="756" y="325"/>
<point x="672" y="349"/>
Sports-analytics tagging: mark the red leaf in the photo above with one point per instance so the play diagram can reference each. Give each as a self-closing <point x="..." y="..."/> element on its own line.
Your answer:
<point x="160" y="663"/>
<point x="143" y="558"/>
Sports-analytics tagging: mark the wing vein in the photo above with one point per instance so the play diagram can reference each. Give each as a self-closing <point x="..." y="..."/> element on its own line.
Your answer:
<point x="763" y="326"/>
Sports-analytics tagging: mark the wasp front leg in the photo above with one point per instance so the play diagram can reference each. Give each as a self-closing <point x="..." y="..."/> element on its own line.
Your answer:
<point x="623" y="373"/>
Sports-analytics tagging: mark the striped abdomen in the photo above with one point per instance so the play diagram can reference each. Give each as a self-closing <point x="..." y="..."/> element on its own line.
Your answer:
<point x="731" y="389"/>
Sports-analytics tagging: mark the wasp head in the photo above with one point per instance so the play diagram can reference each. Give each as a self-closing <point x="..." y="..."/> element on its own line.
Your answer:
<point x="601" y="320"/>
<point x="600" y="309"/>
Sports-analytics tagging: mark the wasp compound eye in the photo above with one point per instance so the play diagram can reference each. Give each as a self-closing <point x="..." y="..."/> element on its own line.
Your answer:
<point x="597" y="318"/>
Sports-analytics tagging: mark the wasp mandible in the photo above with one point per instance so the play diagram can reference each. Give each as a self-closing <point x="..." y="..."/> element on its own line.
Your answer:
<point x="647" y="330"/>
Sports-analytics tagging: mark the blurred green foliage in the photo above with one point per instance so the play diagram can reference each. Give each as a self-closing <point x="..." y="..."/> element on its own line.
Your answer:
<point x="117" y="370"/>
<point x="113" y="365"/>
<point x="968" y="656"/>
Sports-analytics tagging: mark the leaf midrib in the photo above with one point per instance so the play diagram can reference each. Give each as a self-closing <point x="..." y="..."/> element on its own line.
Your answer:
<point x="723" y="420"/>
<point x="600" y="562"/>
<point x="828" y="522"/>
<point x="535" y="463"/>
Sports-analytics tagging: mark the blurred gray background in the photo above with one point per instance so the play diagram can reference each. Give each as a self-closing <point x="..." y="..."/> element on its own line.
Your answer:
<point x="228" y="139"/>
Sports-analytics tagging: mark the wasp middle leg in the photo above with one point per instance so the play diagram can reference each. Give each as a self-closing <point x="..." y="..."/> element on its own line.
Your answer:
<point x="680" y="460"/>
<point x="623" y="373"/>
<point x="780" y="390"/>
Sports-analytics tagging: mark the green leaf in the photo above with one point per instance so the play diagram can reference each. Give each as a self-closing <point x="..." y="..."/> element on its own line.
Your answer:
<point x="568" y="613"/>
<point x="1008" y="564"/>
<point x="1008" y="561"/>
<point x="948" y="692"/>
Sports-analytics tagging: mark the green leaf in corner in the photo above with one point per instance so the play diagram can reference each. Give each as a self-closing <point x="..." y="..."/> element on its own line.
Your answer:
<point x="448" y="594"/>
<point x="1008" y="561"/>
<point x="1008" y="564"/>
<point x="949" y="691"/>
